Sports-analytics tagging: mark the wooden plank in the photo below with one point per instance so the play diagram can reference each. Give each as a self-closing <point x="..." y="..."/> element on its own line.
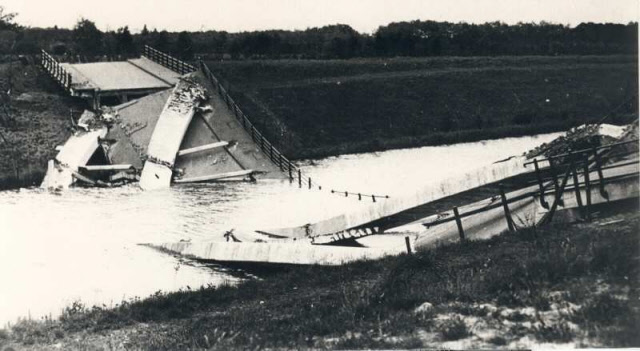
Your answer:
<point x="99" y="168"/>
<point x="214" y="177"/>
<point x="202" y="148"/>
<point x="82" y="178"/>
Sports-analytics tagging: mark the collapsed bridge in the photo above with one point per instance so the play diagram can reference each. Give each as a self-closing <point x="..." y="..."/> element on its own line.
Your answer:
<point x="184" y="129"/>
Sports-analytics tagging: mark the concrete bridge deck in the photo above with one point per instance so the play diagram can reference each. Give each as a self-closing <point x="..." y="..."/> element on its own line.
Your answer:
<point x="139" y="76"/>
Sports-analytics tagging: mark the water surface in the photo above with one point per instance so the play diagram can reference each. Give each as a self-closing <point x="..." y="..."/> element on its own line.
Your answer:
<point x="81" y="244"/>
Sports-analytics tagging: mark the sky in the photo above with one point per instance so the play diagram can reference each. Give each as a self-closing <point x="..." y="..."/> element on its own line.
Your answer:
<point x="363" y="15"/>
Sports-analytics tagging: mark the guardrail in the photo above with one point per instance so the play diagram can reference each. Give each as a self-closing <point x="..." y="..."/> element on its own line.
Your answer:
<point x="55" y="69"/>
<point x="580" y="162"/>
<point x="167" y="60"/>
<point x="295" y="174"/>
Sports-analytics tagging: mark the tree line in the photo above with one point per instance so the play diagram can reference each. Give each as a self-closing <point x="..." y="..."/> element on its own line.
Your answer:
<point x="415" y="38"/>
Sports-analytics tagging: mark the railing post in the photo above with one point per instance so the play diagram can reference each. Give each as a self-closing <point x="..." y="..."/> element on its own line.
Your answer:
<point x="406" y="241"/>
<point x="505" y="206"/>
<point x="309" y="182"/>
<point x="290" y="173"/>
<point x="299" y="179"/>
<point x="576" y="186"/>
<point x="459" y="223"/>
<point x="587" y="189"/>
<point x="540" y="185"/>
<point x="549" y="215"/>
<point x="554" y="176"/>
<point x="596" y="157"/>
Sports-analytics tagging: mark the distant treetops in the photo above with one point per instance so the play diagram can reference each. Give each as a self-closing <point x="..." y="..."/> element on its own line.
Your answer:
<point x="416" y="38"/>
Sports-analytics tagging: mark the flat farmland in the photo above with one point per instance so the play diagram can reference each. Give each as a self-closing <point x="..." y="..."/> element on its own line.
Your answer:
<point x="316" y="108"/>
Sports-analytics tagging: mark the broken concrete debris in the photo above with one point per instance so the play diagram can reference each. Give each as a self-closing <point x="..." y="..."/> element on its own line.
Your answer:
<point x="187" y="96"/>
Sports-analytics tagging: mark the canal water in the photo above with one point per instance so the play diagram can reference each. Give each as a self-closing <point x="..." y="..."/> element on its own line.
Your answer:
<point x="82" y="244"/>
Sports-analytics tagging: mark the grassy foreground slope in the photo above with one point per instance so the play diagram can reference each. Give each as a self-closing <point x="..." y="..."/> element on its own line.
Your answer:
<point x="319" y="108"/>
<point x="571" y="285"/>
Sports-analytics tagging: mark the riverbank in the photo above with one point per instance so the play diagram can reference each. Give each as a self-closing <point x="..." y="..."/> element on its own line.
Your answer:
<point x="34" y="119"/>
<point x="565" y="285"/>
<point x="319" y="108"/>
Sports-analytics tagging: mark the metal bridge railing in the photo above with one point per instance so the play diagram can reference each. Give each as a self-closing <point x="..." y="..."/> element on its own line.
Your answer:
<point x="55" y="69"/>
<point x="580" y="162"/>
<point x="167" y="60"/>
<point x="294" y="173"/>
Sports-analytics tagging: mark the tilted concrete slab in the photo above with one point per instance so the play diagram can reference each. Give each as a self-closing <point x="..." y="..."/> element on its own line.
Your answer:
<point x="220" y="124"/>
<point x="622" y="184"/>
<point x="75" y="153"/>
<point x="137" y="120"/>
<point x="393" y="206"/>
<point x="277" y="253"/>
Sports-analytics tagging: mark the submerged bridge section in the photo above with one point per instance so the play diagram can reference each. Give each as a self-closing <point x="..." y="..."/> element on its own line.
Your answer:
<point x="588" y="179"/>
<point x="490" y="188"/>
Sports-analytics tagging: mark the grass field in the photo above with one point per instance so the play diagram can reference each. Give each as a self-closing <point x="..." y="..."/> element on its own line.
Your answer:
<point x="320" y="108"/>
<point x="564" y="285"/>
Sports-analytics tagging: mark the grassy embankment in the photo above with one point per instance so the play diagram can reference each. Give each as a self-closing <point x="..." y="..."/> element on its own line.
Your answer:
<point x="34" y="118"/>
<point x="319" y="108"/>
<point x="574" y="285"/>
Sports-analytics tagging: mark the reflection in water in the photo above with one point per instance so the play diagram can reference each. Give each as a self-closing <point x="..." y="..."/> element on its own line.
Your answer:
<point x="81" y="244"/>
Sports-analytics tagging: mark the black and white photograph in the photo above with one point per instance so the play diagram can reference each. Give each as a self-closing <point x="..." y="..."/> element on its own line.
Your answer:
<point x="319" y="175"/>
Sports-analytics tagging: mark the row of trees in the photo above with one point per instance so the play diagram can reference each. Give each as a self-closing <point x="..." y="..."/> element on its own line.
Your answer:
<point x="417" y="38"/>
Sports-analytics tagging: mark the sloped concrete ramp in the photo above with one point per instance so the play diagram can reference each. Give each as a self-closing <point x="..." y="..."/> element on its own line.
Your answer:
<point x="234" y="155"/>
<point x="217" y="123"/>
<point x="276" y="253"/>
<point x="366" y="218"/>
